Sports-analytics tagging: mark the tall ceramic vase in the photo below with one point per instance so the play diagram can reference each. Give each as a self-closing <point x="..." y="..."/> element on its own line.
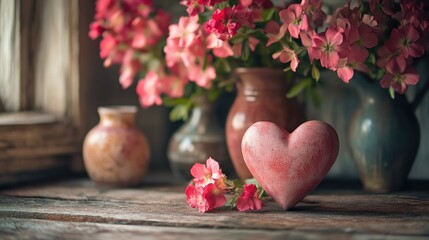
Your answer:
<point x="260" y="97"/>
<point x="199" y="138"/>
<point x="115" y="151"/>
<point x="384" y="137"/>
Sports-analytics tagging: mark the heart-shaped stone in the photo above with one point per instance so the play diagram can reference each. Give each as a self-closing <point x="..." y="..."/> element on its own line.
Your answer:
<point x="289" y="165"/>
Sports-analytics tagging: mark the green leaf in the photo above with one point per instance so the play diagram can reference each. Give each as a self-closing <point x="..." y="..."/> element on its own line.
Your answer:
<point x="392" y="92"/>
<point x="180" y="112"/>
<point x="237" y="183"/>
<point x="315" y="73"/>
<point x="245" y="51"/>
<point x="267" y="14"/>
<point x="297" y="89"/>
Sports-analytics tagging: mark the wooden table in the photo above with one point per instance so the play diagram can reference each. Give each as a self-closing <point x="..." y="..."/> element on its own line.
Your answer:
<point x="78" y="209"/>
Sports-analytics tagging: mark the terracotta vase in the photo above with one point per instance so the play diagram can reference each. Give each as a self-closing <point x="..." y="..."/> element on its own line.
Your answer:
<point x="198" y="139"/>
<point x="115" y="151"/>
<point x="260" y="97"/>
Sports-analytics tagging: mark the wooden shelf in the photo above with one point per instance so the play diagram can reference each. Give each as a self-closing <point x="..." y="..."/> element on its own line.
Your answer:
<point x="157" y="209"/>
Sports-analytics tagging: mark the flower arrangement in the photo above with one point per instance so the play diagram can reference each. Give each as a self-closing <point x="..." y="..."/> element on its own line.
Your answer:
<point x="209" y="186"/>
<point x="381" y="38"/>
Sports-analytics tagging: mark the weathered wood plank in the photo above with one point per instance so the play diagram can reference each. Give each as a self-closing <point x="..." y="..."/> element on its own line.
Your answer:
<point x="13" y="228"/>
<point x="162" y="206"/>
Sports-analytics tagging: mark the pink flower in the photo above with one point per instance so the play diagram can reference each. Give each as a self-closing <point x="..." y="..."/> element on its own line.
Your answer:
<point x="295" y="19"/>
<point x="344" y="71"/>
<point x="249" y="200"/>
<point x="400" y="79"/>
<point x="287" y="55"/>
<point x="174" y="86"/>
<point x="313" y="8"/>
<point x="275" y="32"/>
<point x="328" y="49"/>
<point x="202" y="77"/>
<point x="206" y="174"/>
<point x="185" y="30"/>
<point x="406" y="39"/>
<point x="194" y="7"/>
<point x="204" y="198"/>
<point x="226" y="22"/>
<point x="129" y="69"/>
<point x="174" y="54"/>
<point x="147" y="33"/>
<point x="307" y="41"/>
<point x="149" y="90"/>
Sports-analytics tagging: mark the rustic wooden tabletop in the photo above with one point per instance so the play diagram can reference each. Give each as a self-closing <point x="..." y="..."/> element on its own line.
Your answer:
<point x="78" y="209"/>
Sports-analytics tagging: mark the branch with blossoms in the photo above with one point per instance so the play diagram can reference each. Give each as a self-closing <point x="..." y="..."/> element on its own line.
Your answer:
<point x="173" y="62"/>
<point x="381" y="38"/>
<point x="208" y="189"/>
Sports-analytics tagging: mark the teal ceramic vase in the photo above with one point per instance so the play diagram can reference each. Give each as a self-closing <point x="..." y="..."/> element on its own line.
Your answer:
<point x="384" y="137"/>
<point x="199" y="138"/>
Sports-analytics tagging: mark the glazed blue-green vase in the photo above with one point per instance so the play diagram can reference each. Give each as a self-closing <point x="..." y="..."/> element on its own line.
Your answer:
<point x="384" y="137"/>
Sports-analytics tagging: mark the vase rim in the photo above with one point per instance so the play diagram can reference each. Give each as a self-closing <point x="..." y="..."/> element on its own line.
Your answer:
<point x="117" y="109"/>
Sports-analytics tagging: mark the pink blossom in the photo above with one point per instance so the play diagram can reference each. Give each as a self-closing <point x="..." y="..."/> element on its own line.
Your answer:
<point x="109" y="49"/>
<point x="406" y="39"/>
<point x="175" y="54"/>
<point x="344" y="71"/>
<point x="307" y="41"/>
<point x="204" y="198"/>
<point x="129" y="69"/>
<point x="147" y="33"/>
<point x="149" y="90"/>
<point x="295" y="18"/>
<point x="380" y="9"/>
<point x="249" y="199"/>
<point x="287" y="55"/>
<point x="400" y="79"/>
<point x="361" y="39"/>
<point x="327" y="47"/>
<point x="390" y="59"/>
<point x="163" y="19"/>
<point x="202" y="77"/>
<point x="174" y="86"/>
<point x="313" y="8"/>
<point x="223" y="51"/>
<point x="210" y="3"/>
<point x="193" y="7"/>
<point x="95" y="30"/>
<point x="206" y="174"/>
<point x="275" y="32"/>
<point x="185" y="30"/>
<point x="226" y="22"/>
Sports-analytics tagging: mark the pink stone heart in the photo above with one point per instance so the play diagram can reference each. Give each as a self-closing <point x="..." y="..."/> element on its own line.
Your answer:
<point x="289" y="165"/>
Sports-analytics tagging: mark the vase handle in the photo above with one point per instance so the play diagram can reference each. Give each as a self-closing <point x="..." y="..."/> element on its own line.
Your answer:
<point x="423" y="71"/>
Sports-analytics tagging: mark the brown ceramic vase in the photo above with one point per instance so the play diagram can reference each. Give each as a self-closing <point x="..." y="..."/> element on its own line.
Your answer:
<point x="260" y="97"/>
<point x="115" y="151"/>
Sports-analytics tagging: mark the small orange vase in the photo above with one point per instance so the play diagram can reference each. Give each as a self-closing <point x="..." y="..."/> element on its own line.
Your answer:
<point x="261" y="96"/>
<point x="115" y="151"/>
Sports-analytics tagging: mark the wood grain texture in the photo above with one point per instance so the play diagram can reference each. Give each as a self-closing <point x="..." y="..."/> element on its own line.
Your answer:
<point x="13" y="228"/>
<point x="339" y="212"/>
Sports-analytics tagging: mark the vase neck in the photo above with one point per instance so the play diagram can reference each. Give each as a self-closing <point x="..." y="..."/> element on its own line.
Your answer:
<point x="118" y="115"/>
<point x="262" y="81"/>
<point x="203" y="112"/>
